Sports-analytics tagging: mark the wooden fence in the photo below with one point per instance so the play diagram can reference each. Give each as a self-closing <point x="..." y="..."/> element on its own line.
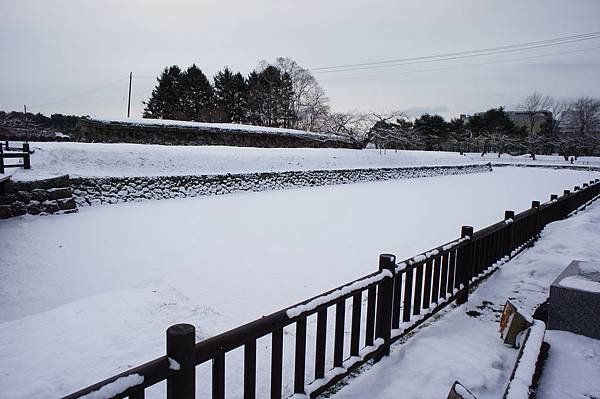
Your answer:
<point x="398" y="297"/>
<point x="24" y="154"/>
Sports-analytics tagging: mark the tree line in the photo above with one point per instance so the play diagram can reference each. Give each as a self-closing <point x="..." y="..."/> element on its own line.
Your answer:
<point x="284" y="94"/>
<point x="281" y="94"/>
<point x="541" y="125"/>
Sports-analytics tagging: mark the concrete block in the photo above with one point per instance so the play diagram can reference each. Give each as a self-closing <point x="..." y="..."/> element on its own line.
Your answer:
<point x="574" y="303"/>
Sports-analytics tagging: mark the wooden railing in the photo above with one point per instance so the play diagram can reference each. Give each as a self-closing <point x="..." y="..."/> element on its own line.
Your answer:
<point x="24" y="154"/>
<point x="383" y="307"/>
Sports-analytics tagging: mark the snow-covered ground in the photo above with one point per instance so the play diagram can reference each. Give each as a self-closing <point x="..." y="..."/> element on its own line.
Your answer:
<point x="539" y="159"/>
<point x="572" y="369"/>
<point x="84" y="296"/>
<point x="467" y="347"/>
<point x="88" y="159"/>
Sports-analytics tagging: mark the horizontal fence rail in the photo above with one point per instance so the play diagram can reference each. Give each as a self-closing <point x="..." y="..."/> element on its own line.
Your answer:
<point x="346" y="327"/>
<point x="24" y="154"/>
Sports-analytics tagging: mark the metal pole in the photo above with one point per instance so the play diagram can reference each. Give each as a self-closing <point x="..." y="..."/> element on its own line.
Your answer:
<point x="26" y="129"/>
<point x="129" y="100"/>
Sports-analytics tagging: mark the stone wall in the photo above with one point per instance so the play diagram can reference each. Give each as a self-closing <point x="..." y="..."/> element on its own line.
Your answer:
<point x="89" y="130"/>
<point x="37" y="197"/>
<point x="110" y="190"/>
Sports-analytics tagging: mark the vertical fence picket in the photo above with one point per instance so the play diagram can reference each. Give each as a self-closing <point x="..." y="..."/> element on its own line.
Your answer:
<point x="300" y="356"/>
<point x="276" y="362"/>
<point x="408" y="282"/>
<point x="320" y="344"/>
<point x="435" y="284"/>
<point x="428" y="278"/>
<point x="355" y="328"/>
<point x="370" y="328"/>
<point x="444" y="277"/>
<point x="218" y="376"/>
<point x="451" y="272"/>
<point x="397" y="301"/>
<point x="139" y="394"/>
<point x="418" y="289"/>
<point x="338" y="346"/>
<point x="250" y="370"/>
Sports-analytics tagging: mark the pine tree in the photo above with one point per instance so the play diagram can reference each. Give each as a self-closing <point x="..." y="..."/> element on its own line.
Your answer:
<point x="270" y="97"/>
<point x="197" y="96"/>
<point x="231" y="94"/>
<point x="165" y="101"/>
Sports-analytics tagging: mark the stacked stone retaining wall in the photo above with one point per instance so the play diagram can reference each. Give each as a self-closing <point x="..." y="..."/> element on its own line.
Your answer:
<point x="93" y="131"/>
<point x="110" y="190"/>
<point x="37" y="197"/>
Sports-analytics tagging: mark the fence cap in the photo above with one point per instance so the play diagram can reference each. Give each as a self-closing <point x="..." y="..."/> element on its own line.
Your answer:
<point x="181" y="329"/>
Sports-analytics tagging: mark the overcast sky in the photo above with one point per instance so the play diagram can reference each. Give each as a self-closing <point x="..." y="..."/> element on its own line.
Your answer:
<point x="74" y="56"/>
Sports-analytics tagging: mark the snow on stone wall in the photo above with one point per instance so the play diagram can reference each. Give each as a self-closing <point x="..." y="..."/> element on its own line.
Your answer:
<point x="111" y="190"/>
<point x="155" y="131"/>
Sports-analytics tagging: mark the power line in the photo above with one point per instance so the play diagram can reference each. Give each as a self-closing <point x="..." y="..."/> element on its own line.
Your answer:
<point x="460" y="55"/>
<point x="464" y="65"/>
<point x="81" y="95"/>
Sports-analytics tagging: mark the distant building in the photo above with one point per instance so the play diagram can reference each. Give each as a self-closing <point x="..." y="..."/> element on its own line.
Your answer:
<point x="523" y="118"/>
<point x="570" y="126"/>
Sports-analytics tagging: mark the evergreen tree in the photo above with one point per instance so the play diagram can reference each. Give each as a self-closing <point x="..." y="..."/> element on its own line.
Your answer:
<point x="197" y="96"/>
<point x="433" y="128"/>
<point x="231" y="96"/>
<point x="270" y="97"/>
<point x="165" y="101"/>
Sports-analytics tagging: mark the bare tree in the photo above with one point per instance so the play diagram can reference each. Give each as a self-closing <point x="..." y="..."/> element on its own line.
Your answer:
<point x="585" y="124"/>
<point x="534" y="105"/>
<point x="309" y="102"/>
<point x="353" y="125"/>
<point x="586" y="115"/>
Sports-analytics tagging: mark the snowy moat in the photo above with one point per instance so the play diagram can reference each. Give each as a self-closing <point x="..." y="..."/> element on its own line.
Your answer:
<point x="128" y="271"/>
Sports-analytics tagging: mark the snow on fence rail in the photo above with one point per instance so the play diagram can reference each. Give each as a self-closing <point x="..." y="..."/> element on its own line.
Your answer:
<point x="384" y="306"/>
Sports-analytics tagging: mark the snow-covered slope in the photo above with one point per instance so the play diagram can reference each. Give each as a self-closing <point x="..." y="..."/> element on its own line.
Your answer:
<point x="89" y="159"/>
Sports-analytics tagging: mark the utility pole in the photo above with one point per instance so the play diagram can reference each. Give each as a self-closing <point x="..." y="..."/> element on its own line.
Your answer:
<point x="129" y="100"/>
<point x="26" y="129"/>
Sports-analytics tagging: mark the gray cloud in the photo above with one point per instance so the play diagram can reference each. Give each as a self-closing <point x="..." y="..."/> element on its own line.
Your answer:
<point x="57" y="52"/>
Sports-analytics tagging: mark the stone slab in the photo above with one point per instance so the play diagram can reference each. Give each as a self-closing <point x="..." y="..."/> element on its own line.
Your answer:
<point x="574" y="303"/>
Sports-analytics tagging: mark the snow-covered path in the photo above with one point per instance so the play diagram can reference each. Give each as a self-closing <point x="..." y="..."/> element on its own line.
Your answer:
<point x="87" y="295"/>
<point x="468" y="348"/>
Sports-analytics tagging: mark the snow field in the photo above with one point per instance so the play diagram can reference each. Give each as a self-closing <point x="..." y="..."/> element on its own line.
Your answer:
<point x="88" y="295"/>
<point x="102" y="160"/>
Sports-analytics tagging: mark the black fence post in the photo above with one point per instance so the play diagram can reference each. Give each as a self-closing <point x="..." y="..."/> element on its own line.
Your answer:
<point x="383" y="320"/>
<point x="181" y="340"/>
<point x="466" y="265"/>
<point x="510" y="215"/>
<point x="26" y="156"/>
<point x="567" y="202"/>
<point x="536" y="221"/>
<point x="1" y="160"/>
